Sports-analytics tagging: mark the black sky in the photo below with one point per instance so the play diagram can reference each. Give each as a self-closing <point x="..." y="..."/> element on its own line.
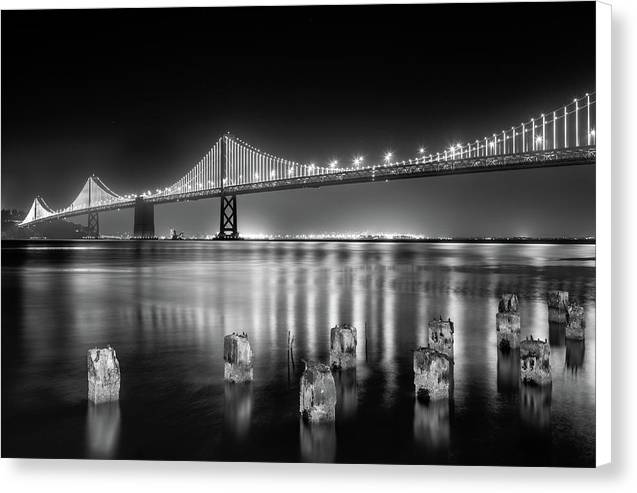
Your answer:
<point x="136" y="96"/>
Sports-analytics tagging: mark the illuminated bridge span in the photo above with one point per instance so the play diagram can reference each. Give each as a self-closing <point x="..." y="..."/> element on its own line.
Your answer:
<point x="231" y="167"/>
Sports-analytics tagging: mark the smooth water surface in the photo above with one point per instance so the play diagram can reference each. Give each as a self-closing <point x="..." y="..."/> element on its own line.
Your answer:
<point x="165" y="307"/>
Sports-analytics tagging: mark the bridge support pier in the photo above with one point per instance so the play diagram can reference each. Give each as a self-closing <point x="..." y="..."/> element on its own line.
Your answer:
<point x="228" y="218"/>
<point x="93" y="225"/>
<point x="144" y="226"/>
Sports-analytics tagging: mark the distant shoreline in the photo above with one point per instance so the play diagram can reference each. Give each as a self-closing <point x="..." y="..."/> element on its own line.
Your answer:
<point x="458" y="240"/>
<point x="536" y="241"/>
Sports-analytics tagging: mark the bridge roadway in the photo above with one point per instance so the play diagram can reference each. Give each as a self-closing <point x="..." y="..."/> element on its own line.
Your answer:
<point x="419" y="168"/>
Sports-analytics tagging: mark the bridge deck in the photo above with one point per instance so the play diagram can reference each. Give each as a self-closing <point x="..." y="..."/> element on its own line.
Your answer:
<point x="414" y="169"/>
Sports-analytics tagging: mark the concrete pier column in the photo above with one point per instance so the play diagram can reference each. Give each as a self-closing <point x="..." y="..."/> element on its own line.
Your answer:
<point x="535" y="365"/>
<point x="238" y="358"/>
<point x="144" y="225"/>
<point x="440" y="336"/>
<point x="507" y="322"/>
<point x="103" y="375"/>
<point x="343" y="347"/>
<point x="557" y="302"/>
<point x="575" y="322"/>
<point x="433" y="374"/>
<point x="93" y="225"/>
<point x="317" y="401"/>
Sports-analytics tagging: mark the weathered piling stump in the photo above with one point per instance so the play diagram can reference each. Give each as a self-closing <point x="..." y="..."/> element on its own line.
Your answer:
<point x="535" y="365"/>
<point x="508" y="303"/>
<point x="238" y="358"/>
<point x="103" y="375"/>
<point x="507" y="322"/>
<point x="440" y="336"/>
<point x="317" y="400"/>
<point x="343" y="347"/>
<point x="433" y="374"/>
<point x="575" y="322"/>
<point x="557" y="303"/>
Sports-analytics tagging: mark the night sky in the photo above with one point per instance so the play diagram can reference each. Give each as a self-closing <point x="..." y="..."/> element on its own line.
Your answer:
<point x="137" y="96"/>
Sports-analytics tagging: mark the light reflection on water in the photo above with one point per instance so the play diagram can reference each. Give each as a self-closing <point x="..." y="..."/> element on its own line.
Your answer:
<point x="165" y="307"/>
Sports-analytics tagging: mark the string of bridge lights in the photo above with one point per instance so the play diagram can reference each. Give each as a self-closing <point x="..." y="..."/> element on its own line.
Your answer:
<point x="246" y="164"/>
<point x="498" y="143"/>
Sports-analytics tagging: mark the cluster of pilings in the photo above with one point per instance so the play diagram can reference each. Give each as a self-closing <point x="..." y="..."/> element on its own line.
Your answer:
<point x="524" y="364"/>
<point x="567" y="327"/>
<point x="433" y="364"/>
<point x="527" y="361"/>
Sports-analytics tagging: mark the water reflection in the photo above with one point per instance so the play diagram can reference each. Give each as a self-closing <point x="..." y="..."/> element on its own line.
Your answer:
<point x="318" y="441"/>
<point x="575" y="354"/>
<point x="346" y="394"/>
<point x="432" y="427"/>
<point x="102" y="430"/>
<point x="179" y="299"/>
<point x="508" y="370"/>
<point x="238" y="409"/>
<point x="535" y="407"/>
<point x="557" y="333"/>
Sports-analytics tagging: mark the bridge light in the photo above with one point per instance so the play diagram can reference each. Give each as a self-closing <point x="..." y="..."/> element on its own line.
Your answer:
<point x="256" y="175"/>
<point x="538" y="139"/>
<point x="388" y="156"/>
<point x="333" y="163"/>
<point x="421" y="150"/>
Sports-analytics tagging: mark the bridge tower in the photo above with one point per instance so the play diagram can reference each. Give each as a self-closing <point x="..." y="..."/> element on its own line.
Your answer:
<point x="93" y="225"/>
<point x="144" y="225"/>
<point x="228" y="211"/>
<point x="93" y="217"/>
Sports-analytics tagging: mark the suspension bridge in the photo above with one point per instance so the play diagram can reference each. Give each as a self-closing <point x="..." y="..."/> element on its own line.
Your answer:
<point x="231" y="167"/>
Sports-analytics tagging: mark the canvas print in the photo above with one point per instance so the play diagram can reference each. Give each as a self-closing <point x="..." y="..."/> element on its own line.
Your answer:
<point x="342" y="234"/>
